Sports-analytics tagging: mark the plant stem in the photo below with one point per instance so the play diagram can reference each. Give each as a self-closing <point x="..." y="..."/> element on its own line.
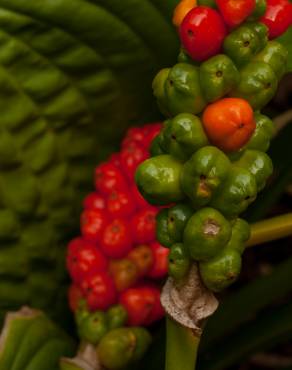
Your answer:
<point x="271" y="229"/>
<point x="181" y="347"/>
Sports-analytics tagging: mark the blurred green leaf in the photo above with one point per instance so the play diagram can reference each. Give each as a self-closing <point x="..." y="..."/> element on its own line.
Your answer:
<point x="267" y="331"/>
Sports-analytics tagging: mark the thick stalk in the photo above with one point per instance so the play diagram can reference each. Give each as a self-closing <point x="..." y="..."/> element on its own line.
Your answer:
<point x="270" y="229"/>
<point x="181" y="347"/>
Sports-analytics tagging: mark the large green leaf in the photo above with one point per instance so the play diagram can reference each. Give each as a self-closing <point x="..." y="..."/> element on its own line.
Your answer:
<point x="73" y="75"/>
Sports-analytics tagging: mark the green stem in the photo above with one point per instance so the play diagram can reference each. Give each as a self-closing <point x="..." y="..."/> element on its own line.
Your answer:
<point x="271" y="229"/>
<point x="181" y="347"/>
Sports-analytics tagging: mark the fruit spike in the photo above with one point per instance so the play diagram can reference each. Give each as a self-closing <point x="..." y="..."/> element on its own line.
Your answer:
<point x="117" y="258"/>
<point x="210" y="153"/>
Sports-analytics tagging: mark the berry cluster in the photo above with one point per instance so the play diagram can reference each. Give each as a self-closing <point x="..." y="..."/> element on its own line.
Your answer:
<point x="116" y="262"/>
<point x="209" y="158"/>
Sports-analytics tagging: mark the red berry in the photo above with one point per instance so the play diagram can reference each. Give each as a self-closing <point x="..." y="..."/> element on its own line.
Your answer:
<point x="85" y="260"/>
<point x="142" y="304"/>
<point x="138" y="199"/>
<point x="108" y="178"/>
<point x="74" y="297"/>
<point x="278" y="17"/>
<point x="99" y="291"/>
<point x="134" y="135"/>
<point x="160" y="261"/>
<point x="76" y="244"/>
<point x="93" y="223"/>
<point x="116" y="241"/>
<point x="202" y="33"/>
<point x="120" y="204"/>
<point x="115" y="159"/>
<point x="235" y="12"/>
<point x="144" y="226"/>
<point x="131" y="157"/>
<point x="94" y="201"/>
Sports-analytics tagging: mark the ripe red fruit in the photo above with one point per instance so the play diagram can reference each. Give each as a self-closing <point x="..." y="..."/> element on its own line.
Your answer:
<point x="120" y="204"/>
<point x="108" y="178"/>
<point x="115" y="159"/>
<point x="99" y="291"/>
<point x="85" y="260"/>
<point x="92" y="223"/>
<point x="131" y="156"/>
<point x="94" y="201"/>
<point x="202" y="33"/>
<point x="142" y="256"/>
<point x="229" y="123"/>
<point x="74" y="297"/>
<point x="116" y="241"/>
<point x="134" y="135"/>
<point x="159" y="268"/>
<point x="140" y="202"/>
<point x="235" y="12"/>
<point x="142" y="304"/>
<point x="278" y="17"/>
<point x="143" y="225"/>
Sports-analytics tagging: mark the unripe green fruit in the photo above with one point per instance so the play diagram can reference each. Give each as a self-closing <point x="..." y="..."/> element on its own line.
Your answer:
<point x="258" y="84"/>
<point x="93" y="327"/>
<point x="171" y="223"/>
<point x="276" y="56"/>
<point x="236" y="193"/>
<point x="159" y="91"/>
<point x="158" y="180"/>
<point x="183" y="135"/>
<point x="203" y="173"/>
<point x="242" y="44"/>
<point x="121" y="347"/>
<point x="260" y="9"/>
<point x="179" y="261"/>
<point x="218" y="76"/>
<point x="116" y="317"/>
<point x="240" y="235"/>
<point x="206" y="234"/>
<point x="183" y="90"/>
<point x="155" y="148"/>
<point x="220" y="272"/>
<point x="263" y="133"/>
<point x="259" y="164"/>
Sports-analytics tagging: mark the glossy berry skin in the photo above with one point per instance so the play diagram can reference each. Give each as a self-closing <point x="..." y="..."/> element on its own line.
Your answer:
<point x="94" y="201"/>
<point x="278" y="17"/>
<point x="142" y="304"/>
<point x="99" y="291"/>
<point x="92" y="224"/>
<point x="109" y="177"/>
<point x="235" y="12"/>
<point x="131" y="157"/>
<point x="120" y="204"/>
<point x="85" y="260"/>
<point x="159" y="268"/>
<point x="202" y="33"/>
<point x="116" y="240"/>
<point x="229" y="123"/>
<point x="143" y="226"/>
